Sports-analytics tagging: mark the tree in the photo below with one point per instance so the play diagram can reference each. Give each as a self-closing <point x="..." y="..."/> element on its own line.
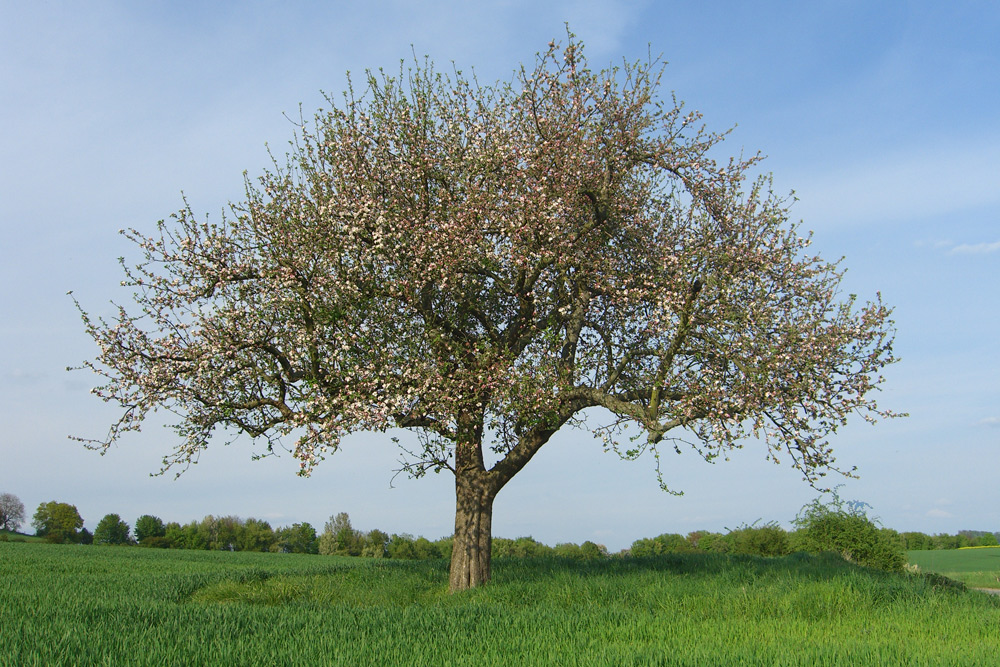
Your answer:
<point x="916" y="541"/>
<point x="255" y="535"/>
<point x="112" y="530"/>
<point x="592" y="551"/>
<point x="375" y="544"/>
<point x="11" y="512"/>
<point x="148" y="526"/>
<point x="339" y="538"/>
<point x="220" y="533"/>
<point x="988" y="540"/>
<point x="484" y="265"/>
<point x="57" y="522"/>
<point x="424" y="549"/>
<point x="400" y="547"/>
<point x="299" y="538"/>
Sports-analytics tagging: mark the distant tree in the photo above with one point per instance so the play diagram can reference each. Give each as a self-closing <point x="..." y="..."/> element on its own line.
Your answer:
<point x="485" y="265"/>
<point x="375" y="544"/>
<point x="400" y="547"/>
<point x="593" y="551"/>
<point x="339" y="538"/>
<point x="424" y="549"/>
<point x="84" y="537"/>
<point x="712" y="542"/>
<point x="988" y="540"/>
<point x="299" y="538"/>
<point x="673" y="543"/>
<point x="946" y="541"/>
<point x="522" y="547"/>
<point x="568" y="550"/>
<point x="642" y="548"/>
<point x="149" y="526"/>
<point x="112" y="530"/>
<point x="661" y="544"/>
<point x="254" y="535"/>
<point x="224" y="531"/>
<point x="57" y="522"/>
<point x="916" y="541"/>
<point x="175" y="533"/>
<point x="195" y="535"/>
<point x="444" y="545"/>
<point x="979" y="538"/>
<point x="11" y="512"/>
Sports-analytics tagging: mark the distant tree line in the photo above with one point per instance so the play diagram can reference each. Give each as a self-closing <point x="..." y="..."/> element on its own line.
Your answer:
<point x="838" y="526"/>
<point x="964" y="538"/>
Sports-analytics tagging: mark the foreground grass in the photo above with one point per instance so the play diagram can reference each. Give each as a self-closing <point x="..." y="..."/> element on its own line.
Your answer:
<point x="105" y="605"/>
<point x="979" y="567"/>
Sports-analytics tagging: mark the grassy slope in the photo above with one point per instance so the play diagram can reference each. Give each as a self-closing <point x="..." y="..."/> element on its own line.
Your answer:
<point x="11" y="535"/>
<point x="974" y="567"/>
<point x="62" y="604"/>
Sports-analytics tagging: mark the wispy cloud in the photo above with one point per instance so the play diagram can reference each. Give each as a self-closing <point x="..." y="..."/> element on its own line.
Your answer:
<point x="990" y="421"/>
<point x="940" y="514"/>
<point x="935" y="244"/>
<point x="975" y="248"/>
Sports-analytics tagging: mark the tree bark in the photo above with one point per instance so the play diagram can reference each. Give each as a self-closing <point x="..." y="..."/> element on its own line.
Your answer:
<point x="475" y="490"/>
<point x="473" y="540"/>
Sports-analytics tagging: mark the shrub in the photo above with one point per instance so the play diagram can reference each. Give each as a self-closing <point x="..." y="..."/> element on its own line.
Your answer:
<point x="844" y="528"/>
<point x="769" y="539"/>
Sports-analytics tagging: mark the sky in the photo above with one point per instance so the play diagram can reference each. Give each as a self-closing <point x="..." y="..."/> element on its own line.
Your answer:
<point x="883" y="118"/>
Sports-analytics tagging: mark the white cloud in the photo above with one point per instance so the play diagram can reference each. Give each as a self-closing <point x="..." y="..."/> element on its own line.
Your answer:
<point x="940" y="514"/>
<point x="936" y="244"/>
<point x="991" y="421"/>
<point x="975" y="248"/>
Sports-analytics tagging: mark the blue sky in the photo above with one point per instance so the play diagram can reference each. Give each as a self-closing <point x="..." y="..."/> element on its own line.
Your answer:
<point x="884" y="118"/>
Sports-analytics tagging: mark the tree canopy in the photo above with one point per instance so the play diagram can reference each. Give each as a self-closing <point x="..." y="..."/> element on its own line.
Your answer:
<point x="11" y="512"/>
<point x="149" y="526"/>
<point x="483" y="264"/>
<point x="58" y="522"/>
<point x="111" y="529"/>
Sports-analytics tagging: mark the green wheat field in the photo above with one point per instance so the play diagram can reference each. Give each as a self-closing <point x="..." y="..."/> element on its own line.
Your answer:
<point x="976" y="566"/>
<point x="73" y="605"/>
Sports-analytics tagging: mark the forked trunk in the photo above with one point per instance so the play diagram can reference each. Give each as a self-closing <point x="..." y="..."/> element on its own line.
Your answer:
<point x="473" y="540"/>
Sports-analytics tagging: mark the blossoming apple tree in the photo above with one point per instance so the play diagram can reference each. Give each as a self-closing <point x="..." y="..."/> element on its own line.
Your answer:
<point x="484" y="264"/>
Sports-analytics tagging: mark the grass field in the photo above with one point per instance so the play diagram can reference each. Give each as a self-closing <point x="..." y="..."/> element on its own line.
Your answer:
<point x="978" y="567"/>
<point x="64" y="604"/>
<point x="20" y="537"/>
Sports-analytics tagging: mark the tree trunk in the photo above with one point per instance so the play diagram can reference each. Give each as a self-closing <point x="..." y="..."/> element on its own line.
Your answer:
<point x="473" y="541"/>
